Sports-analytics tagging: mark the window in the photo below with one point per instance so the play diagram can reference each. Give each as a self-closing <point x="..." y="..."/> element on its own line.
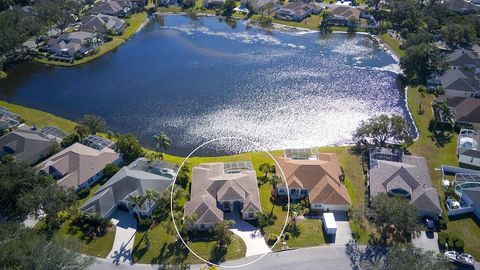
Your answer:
<point x="304" y="192"/>
<point x="251" y="215"/>
<point x="226" y="205"/>
<point x="202" y="226"/>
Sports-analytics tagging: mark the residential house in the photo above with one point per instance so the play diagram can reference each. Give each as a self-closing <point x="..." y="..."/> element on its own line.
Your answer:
<point x="468" y="150"/>
<point x="461" y="6"/>
<point x="8" y="119"/>
<point x="68" y="46"/>
<point x="97" y="142"/>
<point x="471" y="197"/>
<point x="132" y="180"/>
<point x="222" y="187"/>
<point x="134" y="5"/>
<point x="462" y="78"/>
<point x="297" y="11"/>
<point x="466" y="110"/>
<point x="213" y="3"/>
<point x="104" y="24"/>
<point x="26" y="144"/>
<point x="400" y="175"/>
<point x="316" y="178"/>
<point x="112" y="8"/>
<point x="259" y="5"/>
<point x="79" y="166"/>
<point x="344" y="15"/>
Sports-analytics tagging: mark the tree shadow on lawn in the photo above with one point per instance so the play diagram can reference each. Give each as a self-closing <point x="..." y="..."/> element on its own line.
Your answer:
<point x="175" y="252"/>
<point x="440" y="136"/>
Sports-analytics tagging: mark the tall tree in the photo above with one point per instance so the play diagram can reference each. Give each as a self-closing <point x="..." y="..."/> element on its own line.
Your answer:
<point x="129" y="147"/>
<point x="94" y="123"/>
<point x="395" y="217"/>
<point x="162" y="141"/>
<point x="383" y="129"/>
<point x="136" y="202"/>
<point x="222" y="233"/>
<point x="421" y="61"/>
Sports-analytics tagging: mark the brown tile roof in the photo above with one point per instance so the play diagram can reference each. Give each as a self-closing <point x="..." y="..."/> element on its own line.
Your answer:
<point x="467" y="110"/>
<point x="320" y="177"/>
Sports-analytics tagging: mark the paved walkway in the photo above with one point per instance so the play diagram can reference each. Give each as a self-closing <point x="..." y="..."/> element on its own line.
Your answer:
<point x="126" y="226"/>
<point x="253" y="239"/>
<point x="427" y="241"/>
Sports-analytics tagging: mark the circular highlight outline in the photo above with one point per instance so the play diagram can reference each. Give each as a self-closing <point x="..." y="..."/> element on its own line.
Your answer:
<point x="173" y="217"/>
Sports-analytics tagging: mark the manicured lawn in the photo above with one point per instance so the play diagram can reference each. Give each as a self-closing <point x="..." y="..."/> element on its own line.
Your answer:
<point x="98" y="247"/>
<point x="39" y="118"/>
<point x="134" y="21"/>
<point x="393" y="44"/>
<point x="311" y="234"/>
<point x="164" y="249"/>
<point x="93" y="189"/>
<point x="468" y="229"/>
<point x="440" y="149"/>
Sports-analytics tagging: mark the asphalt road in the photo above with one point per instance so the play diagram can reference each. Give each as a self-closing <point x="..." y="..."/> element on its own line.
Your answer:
<point x="315" y="258"/>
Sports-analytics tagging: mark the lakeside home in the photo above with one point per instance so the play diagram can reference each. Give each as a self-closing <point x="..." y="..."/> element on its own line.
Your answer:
<point x="222" y="187"/>
<point x="103" y="24"/>
<point x="27" y="144"/>
<point x="316" y="178"/>
<point x="132" y="180"/>
<point x="79" y="166"/>
<point x="466" y="110"/>
<point x="297" y="11"/>
<point x="400" y="175"/>
<point x="68" y="46"/>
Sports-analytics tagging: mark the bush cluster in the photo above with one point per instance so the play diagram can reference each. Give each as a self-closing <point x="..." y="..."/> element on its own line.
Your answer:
<point x="453" y="241"/>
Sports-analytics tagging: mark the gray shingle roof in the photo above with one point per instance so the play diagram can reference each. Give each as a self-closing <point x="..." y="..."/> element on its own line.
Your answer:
<point x="411" y="175"/>
<point x="131" y="180"/>
<point x="25" y="145"/>
<point x="474" y="195"/>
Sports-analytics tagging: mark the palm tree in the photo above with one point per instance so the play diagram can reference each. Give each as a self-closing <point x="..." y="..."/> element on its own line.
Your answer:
<point x="446" y="113"/>
<point x="150" y="195"/>
<point x="162" y="141"/>
<point x="275" y="180"/>
<point x="135" y="202"/>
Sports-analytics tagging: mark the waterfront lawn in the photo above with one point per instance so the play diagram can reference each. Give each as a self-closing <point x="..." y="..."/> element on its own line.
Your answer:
<point x="162" y="248"/>
<point x="134" y="22"/>
<point x="98" y="246"/>
<point x="393" y="44"/>
<point x="39" y="118"/>
<point x="440" y="149"/>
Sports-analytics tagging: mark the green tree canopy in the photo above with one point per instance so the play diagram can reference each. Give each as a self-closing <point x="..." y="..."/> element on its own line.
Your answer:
<point x="94" y="123"/>
<point x="421" y="61"/>
<point x="395" y="217"/>
<point x="383" y="129"/>
<point x="129" y="147"/>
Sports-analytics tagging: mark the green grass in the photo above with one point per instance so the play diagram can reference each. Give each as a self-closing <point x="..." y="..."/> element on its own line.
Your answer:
<point x="39" y="118"/>
<point x="134" y="22"/>
<point x="440" y="150"/>
<point x="3" y="74"/>
<point x="467" y="229"/>
<point x="164" y="249"/>
<point x="98" y="247"/>
<point x="311" y="234"/>
<point x="393" y="44"/>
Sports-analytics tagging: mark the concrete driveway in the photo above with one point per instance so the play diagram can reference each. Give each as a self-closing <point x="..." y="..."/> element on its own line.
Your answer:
<point x="126" y="227"/>
<point x="253" y="239"/>
<point x="343" y="235"/>
<point x="427" y="241"/>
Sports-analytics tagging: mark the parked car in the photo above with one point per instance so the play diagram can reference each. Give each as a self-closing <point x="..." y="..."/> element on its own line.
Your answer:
<point x="460" y="258"/>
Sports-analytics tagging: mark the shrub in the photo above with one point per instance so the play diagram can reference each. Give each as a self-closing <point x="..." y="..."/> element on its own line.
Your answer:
<point x="272" y="238"/>
<point x="459" y="245"/>
<point x="69" y="140"/>
<point x="83" y="192"/>
<point x="286" y="236"/>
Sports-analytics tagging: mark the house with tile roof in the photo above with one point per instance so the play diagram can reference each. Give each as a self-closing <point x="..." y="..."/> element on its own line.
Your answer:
<point x="132" y="180"/>
<point x="222" y="187"/>
<point x="461" y="6"/>
<point x="112" y="8"/>
<point x="297" y="11"/>
<point x="344" y="15"/>
<point x="316" y="178"/>
<point x="78" y="165"/>
<point x="26" y="144"/>
<point x="400" y="175"/>
<point x="67" y="46"/>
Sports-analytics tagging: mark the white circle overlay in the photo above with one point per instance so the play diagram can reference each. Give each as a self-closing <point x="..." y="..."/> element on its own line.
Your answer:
<point x="173" y="187"/>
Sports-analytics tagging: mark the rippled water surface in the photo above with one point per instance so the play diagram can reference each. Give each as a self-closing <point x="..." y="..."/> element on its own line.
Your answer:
<point x="198" y="79"/>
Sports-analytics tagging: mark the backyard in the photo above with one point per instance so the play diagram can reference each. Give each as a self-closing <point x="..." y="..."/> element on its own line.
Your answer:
<point x="134" y="22"/>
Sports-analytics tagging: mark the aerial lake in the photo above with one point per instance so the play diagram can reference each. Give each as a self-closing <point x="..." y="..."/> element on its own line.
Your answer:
<point x="197" y="79"/>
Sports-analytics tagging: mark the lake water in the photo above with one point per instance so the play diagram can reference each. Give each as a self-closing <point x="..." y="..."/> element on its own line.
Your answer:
<point x="202" y="78"/>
